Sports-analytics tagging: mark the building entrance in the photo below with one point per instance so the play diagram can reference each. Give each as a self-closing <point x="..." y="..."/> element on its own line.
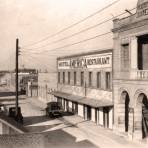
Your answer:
<point x="144" y="117"/>
<point x="127" y="112"/>
<point x="125" y="101"/>
<point x="87" y="112"/>
<point x="106" y="117"/>
<point x="142" y="108"/>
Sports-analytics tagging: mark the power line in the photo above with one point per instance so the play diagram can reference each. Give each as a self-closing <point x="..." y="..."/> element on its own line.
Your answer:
<point x="71" y="26"/>
<point x="84" y="30"/>
<point x="68" y="45"/>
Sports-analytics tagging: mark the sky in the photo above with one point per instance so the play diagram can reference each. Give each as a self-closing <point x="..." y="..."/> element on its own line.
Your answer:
<point x="34" y="20"/>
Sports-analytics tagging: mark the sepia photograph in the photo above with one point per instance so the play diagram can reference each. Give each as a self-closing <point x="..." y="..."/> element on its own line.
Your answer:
<point x="73" y="73"/>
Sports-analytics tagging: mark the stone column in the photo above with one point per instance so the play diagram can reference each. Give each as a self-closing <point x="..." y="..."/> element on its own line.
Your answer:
<point x="134" y="56"/>
<point x="121" y="117"/>
<point x="134" y="52"/>
<point x="138" y="122"/>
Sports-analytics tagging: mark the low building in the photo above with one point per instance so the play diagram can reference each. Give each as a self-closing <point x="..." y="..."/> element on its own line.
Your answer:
<point x="85" y="86"/>
<point x="130" y="73"/>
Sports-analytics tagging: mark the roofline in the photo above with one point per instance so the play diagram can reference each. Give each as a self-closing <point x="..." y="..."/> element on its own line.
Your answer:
<point x="86" y="53"/>
<point x="120" y="19"/>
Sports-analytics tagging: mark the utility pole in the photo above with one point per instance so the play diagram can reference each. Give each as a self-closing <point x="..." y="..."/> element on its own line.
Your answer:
<point x="16" y="75"/>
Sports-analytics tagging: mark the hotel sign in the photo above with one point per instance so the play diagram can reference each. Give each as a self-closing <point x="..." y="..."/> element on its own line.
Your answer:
<point x="142" y="9"/>
<point x="92" y="61"/>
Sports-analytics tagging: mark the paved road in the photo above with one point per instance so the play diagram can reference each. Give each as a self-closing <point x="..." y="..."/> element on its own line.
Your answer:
<point x="55" y="133"/>
<point x="70" y="130"/>
<point x="65" y="132"/>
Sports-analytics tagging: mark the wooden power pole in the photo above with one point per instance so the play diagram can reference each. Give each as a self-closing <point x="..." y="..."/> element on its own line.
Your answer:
<point x="16" y="74"/>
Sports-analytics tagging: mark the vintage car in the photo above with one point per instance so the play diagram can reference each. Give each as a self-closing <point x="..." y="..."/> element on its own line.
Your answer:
<point x="53" y="109"/>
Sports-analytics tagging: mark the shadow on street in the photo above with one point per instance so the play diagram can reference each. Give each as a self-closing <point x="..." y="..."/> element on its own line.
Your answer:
<point x="52" y="139"/>
<point x="35" y="119"/>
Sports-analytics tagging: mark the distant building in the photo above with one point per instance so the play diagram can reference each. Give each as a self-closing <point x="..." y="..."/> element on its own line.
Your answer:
<point x="47" y="83"/>
<point x="28" y="81"/>
<point x="7" y="79"/>
<point x="130" y="73"/>
<point x="85" y="86"/>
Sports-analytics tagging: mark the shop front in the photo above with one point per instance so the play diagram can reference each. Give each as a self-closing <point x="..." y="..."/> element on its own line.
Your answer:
<point x="98" y="111"/>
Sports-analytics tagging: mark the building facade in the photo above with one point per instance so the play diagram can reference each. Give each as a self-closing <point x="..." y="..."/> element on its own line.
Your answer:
<point x="85" y="86"/>
<point x="47" y="82"/>
<point x="130" y="73"/>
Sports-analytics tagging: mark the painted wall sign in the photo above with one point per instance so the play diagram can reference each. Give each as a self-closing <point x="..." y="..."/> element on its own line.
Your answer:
<point x="92" y="61"/>
<point x="142" y="9"/>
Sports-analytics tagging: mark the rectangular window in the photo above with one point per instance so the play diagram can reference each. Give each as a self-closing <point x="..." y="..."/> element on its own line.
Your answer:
<point x="98" y="79"/>
<point x="108" y="80"/>
<point x="68" y="77"/>
<point x="75" y="78"/>
<point x="82" y="78"/>
<point x="90" y="79"/>
<point x="143" y="52"/>
<point x="125" y="57"/>
<point x="63" y="77"/>
<point x="58" y="77"/>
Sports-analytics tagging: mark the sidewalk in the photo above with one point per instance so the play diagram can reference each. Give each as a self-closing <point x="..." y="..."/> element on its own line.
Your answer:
<point x="98" y="135"/>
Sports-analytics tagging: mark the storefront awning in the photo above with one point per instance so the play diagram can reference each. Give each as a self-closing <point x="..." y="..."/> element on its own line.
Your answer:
<point x="83" y="100"/>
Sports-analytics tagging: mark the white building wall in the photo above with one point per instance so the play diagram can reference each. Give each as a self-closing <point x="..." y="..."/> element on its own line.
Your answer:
<point x="101" y="116"/>
<point x="47" y="82"/>
<point x="93" y="114"/>
<point x="70" y="104"/>
<point x="111" y="119"/>
<point x="80" y="110"/>
<point x="65" y="106"/>
<point x="62" y="102"/>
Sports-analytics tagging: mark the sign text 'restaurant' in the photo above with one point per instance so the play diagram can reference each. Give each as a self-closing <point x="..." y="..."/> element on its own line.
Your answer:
<point x="94" y="61"/>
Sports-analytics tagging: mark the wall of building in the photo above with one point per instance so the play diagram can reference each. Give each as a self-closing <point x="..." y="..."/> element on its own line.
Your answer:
<point x="85" y="90"/>
<point x="130" y="83"/>
<point x="47" y="82"/>
<point x="98" y="67"/>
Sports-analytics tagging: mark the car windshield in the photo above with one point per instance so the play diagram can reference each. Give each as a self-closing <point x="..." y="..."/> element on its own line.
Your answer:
<point x="55" y="107"/>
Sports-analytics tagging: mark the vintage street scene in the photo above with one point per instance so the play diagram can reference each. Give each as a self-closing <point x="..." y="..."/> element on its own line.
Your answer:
<point x="74" y="74"/>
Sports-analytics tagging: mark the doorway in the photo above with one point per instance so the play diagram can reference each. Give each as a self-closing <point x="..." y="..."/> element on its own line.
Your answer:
<point x="88" y="113"/>
<point x="127" y="112"/>
<point x="125" y="101"/>
<point x="106" y="117"/>
<point x="144" y="117"/>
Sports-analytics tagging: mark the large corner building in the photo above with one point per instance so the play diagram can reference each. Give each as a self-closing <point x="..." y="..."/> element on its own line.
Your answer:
<point x="130" y="73"/>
